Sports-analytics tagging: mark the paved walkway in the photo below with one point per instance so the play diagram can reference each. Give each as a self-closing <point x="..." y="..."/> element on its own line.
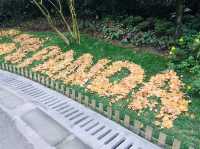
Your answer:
<point x="35" y="117"/>
<point x="10" y="136"/>
<point x="24" y="126"/>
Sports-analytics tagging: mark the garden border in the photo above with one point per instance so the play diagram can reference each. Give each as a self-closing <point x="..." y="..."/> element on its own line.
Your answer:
<point x="110" y="113"/>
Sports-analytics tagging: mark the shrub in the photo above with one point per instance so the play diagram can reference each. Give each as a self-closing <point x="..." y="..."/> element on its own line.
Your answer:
<point x="164" y="27"/>
<point x="185" y="58"/>
<point x="132" y="21"/>
<point x="146" y="24"/>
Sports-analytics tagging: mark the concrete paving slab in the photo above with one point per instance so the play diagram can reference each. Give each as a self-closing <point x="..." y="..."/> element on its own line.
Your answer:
<point x="52" y="132"/>
<point x="9" y="100"/>
<point x="72" y="143"/>
<point x="10" y="137"/>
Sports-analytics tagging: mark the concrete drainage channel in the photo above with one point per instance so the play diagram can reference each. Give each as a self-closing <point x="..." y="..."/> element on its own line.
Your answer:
<point x="59" y="121"/>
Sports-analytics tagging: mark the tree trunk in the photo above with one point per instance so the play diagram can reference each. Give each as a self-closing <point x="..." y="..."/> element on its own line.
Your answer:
<point x="179" y="16"/>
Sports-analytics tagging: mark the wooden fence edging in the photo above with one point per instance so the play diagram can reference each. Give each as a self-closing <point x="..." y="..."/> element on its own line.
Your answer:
<point x="2" y="66"/>
<point x="67" y="91"/>
<point x="30" y="74"/>
<point x="176" y="144"/>
<point x="80" y="96"/>
<point x="86" y="101"/>
<point x="137" y="126"/>
<point x="10" y="68"/>
<point x="191" y="147"/>
<point x="57" y="86"/>
<point x="51" y="83"/>
<point x="6" y="66"/>
<point x="34" y="76"/>
<point x="62" y="88"/>
<point x="13" y="68"/>
<point x="100" y="108"/>
<point x="26" y="72"/>
<point x="148" y="133"/>
<point x="109" y="112"/>
<point x="117" y="116"/>
<point x="43" y="80"/>
<point x="93" y="104"/>
<point x="127" y="121"/>
<point x="22" y="71"/>
<point x="18" y="70"/>
<point x="73" y="94"/>
<point x="162" y="139"/>
<point x="38" y="78"/>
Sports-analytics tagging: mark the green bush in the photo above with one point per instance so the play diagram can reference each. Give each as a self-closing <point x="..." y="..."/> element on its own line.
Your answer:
<point x="114" y="31"/>
<point x="146" y="25"/>
<point x="132" y="20"/>
<point x="196" y="86"/>
<point x="185" y="58"/>
<point x="164" y="27"/>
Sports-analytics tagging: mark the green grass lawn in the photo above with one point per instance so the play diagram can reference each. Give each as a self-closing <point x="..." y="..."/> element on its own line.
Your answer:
<point x="186" y="127"/>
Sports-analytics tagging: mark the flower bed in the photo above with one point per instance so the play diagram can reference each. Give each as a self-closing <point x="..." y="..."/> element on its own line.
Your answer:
<point x="164" y="88"/>
<point x="156" y="99"/>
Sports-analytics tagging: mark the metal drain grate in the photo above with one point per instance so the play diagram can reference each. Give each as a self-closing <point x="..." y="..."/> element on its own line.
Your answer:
<point x="89" y="126"/>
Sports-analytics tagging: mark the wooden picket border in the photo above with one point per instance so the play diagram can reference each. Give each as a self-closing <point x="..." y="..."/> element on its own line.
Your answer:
<point x="134" y="125"/>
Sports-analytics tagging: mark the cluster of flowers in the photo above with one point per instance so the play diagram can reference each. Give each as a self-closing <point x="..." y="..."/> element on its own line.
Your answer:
<point x="104" y="87"/>
<point x="9" y="32"/>
<point x="166" y="87"/>
<point x="162" y="94"/>
<point x="50" y="66"/>
<point x="6" y="48"/>
<point x="27" y="43"/>
<point x="42" y="55"/>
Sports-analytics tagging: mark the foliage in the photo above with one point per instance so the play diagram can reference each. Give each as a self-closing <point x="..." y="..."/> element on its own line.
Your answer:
<point x="113" y="31"/>
<point x="138" y="30"/>
<point x="185" y="58"/>
<point x="132" y="20"/>
<point x="164" y="27"/>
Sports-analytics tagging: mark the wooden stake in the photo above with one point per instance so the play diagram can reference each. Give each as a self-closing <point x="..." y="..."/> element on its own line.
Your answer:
<point x="127" y="121"/>
<point x="62" y="88"/>
<point x="109" y="112"/>
<point x="137" y="125"/>
<point x="86" y="101"/>
<point x="73" y="94"/>
<point x="67" y="92"/>
<point x="101" y="107"/>
<point x="117" y="116"/>
<point x="148" y="132"/>
<point x="80" y="97"/>
<point x="176" y="144"/>
<point x="93" y="104"/>
<point x="162" y="139"/>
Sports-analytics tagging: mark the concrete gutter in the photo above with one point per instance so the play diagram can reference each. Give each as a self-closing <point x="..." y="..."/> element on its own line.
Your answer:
<point x="41" y="118"/>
